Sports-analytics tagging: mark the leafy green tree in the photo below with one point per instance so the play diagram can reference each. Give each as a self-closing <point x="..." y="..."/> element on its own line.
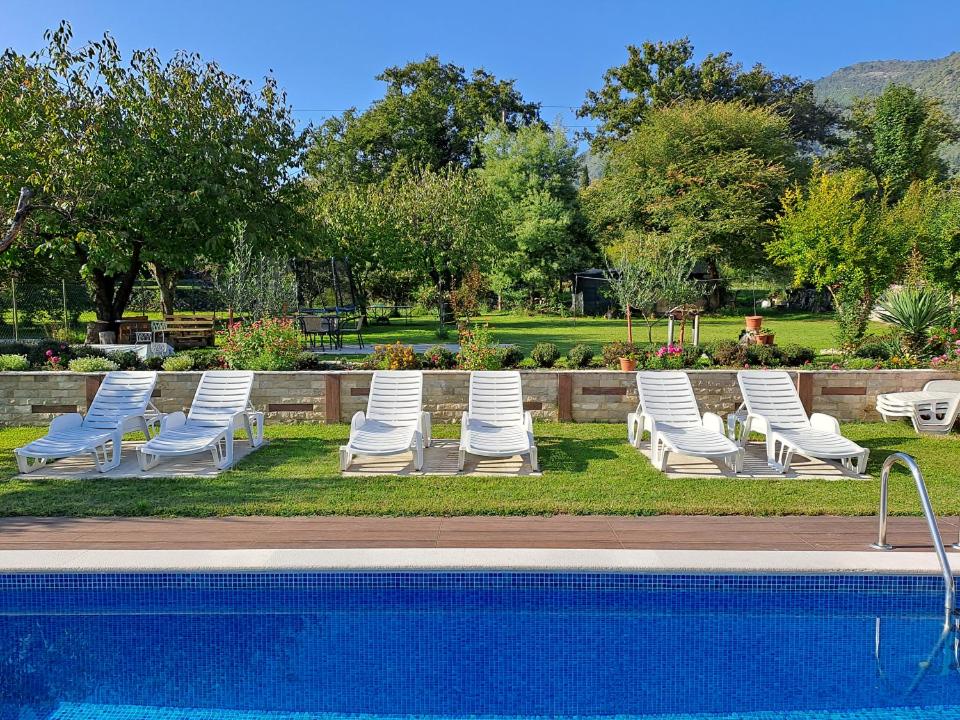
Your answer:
<point x="832" y="234"/>
<point x="663" y="73"/>
<point x="532" y="172"/>
<point x="432" y="115"/>
<point x="897" y="137"/>
<point x="709" y="173"/>
<point x="140" y="162"/>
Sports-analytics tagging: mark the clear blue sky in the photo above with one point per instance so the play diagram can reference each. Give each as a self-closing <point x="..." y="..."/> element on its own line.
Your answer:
<point x="326" y="53"/>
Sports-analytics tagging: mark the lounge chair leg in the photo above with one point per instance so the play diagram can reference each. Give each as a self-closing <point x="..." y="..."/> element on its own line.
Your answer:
<point x="345" y="459"/>
<point x="772" y="453"/>
<point x="461" y="459"/>
<point x="228" y="452"/>
<point x="787" y="459"/>
<point x="534" y="462"/>
<point x="25" y="466"/>
<point x="661" y="458"/>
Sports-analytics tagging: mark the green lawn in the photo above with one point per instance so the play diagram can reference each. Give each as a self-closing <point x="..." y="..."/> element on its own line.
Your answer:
<point x="812" y="330"/>
<point x="589" y="469"/>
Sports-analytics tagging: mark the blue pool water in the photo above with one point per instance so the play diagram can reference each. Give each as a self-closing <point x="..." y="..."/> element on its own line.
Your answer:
<point x="305" y="646"/>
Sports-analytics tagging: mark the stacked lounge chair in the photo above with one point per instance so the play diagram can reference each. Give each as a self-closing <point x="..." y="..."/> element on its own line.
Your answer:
<point x="931" y="410"/>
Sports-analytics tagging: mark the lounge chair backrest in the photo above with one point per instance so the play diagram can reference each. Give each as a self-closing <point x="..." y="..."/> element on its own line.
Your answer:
<point x="120" y="395"/>
<point x="772" y="395"/>
<point x="945" y="386"/>
<point x="496" y="397"/>
<point x="396" y="397"/>
<point x="668" y="398"/>
<point x="220" y="395"/>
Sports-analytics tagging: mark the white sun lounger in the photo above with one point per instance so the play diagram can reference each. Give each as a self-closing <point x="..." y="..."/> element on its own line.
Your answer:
<point x="774" y="408"/>
<point x="669" y="410"/>
<point x="931" y="410"/>
<point x="220" y="407"/>
<point x="119" y="407"/>
<point x="394" y="422"/>
<point x="495" y="424"/>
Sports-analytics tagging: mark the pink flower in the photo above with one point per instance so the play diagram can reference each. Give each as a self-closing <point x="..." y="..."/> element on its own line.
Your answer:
<point x="953" y="331"/>
<point x="49" y="353"/>
<point x="834" y="367"/>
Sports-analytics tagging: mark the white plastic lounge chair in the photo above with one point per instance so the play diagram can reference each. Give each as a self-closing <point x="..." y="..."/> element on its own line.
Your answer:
<point x="669" y="410"/>
<point x="119" y="407"/>
<point x="220" y="407"/>
<point x="774" y="408"/>
<point x="495" y="424"/>
<point x="931" y="410"/>
<point x="394" y="422"/>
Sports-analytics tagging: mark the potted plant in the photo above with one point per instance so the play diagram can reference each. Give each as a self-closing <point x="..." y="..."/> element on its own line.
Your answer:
<point x="764" y="336"/>
<point x="628" y="362"/>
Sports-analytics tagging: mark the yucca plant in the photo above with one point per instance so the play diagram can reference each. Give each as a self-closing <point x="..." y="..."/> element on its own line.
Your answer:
<point x="915" y="310"/>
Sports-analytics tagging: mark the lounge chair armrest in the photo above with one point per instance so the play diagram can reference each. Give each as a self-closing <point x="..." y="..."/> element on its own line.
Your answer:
<point x="528" y="421"/>
<point x="825" y="423"/>
<point x="712" y="421"/>
<point x="173" y="420"/>
<point x="65" y="422"/>
<point x="464" y="422"/>
<point x="357" y="421"/>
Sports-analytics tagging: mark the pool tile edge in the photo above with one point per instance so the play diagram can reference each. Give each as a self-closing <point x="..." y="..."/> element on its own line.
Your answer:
<point x="469" y="559"/>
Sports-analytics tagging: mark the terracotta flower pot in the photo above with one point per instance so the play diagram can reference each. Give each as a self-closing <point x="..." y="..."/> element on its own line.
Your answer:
<point x="765" y="339"/>
<point x="754" y="322"/>
<point x="628" y="364"/>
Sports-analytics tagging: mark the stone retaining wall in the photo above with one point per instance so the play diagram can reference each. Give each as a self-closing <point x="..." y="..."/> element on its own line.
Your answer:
<point x="34" y="398"/>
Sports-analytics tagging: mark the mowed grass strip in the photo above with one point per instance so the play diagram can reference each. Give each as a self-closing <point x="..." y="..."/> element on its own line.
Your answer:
<point x="809" y="329"/>
<point x="589" y="469"/>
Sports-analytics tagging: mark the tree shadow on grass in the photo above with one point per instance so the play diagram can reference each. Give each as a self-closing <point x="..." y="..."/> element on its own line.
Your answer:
<point x="569" y="454"/>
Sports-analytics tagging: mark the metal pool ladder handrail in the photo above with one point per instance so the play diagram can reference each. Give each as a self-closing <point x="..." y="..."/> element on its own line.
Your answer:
<point x="949" y="599"/>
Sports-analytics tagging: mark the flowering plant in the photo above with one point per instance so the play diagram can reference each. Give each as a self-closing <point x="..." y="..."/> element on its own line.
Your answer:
<point x="53" y="361"/>
<point x="668" y="350"/>
<point x="267" y="344"/>
<point x="478" y="351"/>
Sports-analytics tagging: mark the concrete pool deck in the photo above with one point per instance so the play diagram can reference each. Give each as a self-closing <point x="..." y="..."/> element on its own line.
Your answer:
<point x="660" y="543"/>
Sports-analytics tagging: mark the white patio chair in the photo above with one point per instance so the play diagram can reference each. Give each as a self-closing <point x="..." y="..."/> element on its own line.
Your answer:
<point x="220" y="407"/>
<point x="931" y="410"/>
<point x="774" y="408"/>
<point x="495" y="424"/>
<point x="669" y="410"/>
<point x="121" y="405"/>
<point x="394" y="422"/>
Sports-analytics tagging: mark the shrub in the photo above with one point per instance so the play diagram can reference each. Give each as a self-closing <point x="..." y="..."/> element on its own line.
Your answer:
<point x="763" y="355"/>
<point x="439" y="358"/>
<point x="861" y="364"/>
<point x="797" y="355"/>
<point x="308" y="361"/>
<point x="478" y="351"/>
<point x="544" y="354"/>
<point x="267" y="344"/>
<point x="510" y="356"/>
<point x="181" y="362"/>
<point x="92" y="364"/>
<point x="14" y="363"/>
<point x="400" y="357"/>
<point x="206" y="358"/>
<point x="580" y="355"/>
<point x="527" y="364"/>
<point x="127" y="360"/>
<point x="728" y="353"/>
<point x="154" y="363"/>
<point x="612" y="352"/>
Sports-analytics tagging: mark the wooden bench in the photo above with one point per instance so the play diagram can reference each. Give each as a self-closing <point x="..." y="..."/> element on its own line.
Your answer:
<point x="186" y="331"/>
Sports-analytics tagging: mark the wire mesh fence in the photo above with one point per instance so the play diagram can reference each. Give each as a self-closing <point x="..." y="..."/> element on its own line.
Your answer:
<point x="32" y="311"/>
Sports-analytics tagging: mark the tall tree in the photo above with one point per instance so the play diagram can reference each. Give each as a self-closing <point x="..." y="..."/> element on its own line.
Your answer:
<point x="897" y="138"/>
<point x="432" y="115"/>
<point x="832" y="234"/>
<point x="139" y="162"/>
<point x="711" y="173"/>
<point x="533" y="173"/>
<point x="663" y="73"/>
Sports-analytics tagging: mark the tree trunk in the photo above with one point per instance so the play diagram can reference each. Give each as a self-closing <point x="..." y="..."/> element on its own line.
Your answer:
<point x="167" y="283"/>
<point x="112" y="292"/>
<point x="629" y="326"/>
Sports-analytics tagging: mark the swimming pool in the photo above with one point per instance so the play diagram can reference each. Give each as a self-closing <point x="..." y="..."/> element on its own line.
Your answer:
<point x="244" y="646"/>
